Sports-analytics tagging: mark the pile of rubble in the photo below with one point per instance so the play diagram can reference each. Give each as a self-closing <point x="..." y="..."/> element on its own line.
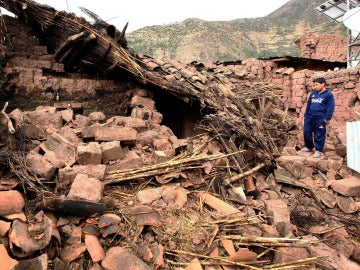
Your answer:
<point x="88" y="192"/>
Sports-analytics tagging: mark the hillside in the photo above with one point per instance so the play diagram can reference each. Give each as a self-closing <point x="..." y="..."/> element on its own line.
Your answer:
<point x="208" y="41"/>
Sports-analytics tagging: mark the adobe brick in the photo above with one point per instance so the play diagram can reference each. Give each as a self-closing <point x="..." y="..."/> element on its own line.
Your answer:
<point x="125" y="135"/>
<point x="89" y="154"/>
<point x="68" y="174"/>
<point x="86" y="188"/>
<point x="40" y="165"/>
<point x="111" y="151"/>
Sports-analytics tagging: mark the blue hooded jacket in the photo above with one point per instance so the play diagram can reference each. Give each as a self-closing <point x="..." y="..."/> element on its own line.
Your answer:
<point x="320" y="105"/>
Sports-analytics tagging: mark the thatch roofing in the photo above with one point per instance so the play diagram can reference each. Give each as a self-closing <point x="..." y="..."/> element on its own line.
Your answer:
<point x="72" y="39"/>
<point x="244" y="109"/>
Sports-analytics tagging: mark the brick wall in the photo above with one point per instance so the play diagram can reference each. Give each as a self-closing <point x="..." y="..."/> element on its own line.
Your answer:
<point x="325" y="47"/>
<point x="344" y="83"/>
<point x="29" y="70"/>
<point x="297" y="84"/>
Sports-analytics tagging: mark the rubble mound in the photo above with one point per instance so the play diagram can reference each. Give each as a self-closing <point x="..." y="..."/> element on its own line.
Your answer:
<point x="90" y="192"/>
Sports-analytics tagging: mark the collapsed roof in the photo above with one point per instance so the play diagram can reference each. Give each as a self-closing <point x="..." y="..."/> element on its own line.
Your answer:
<point x="244" y="109"/>
<point x="242" y="114"/>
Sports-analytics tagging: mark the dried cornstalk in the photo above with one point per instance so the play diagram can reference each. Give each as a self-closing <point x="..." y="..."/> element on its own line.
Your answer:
<point x="209" y="263"/>
<point x="224" y="261"/>
<point x="174" y="165"/>
<point x="294" y="264"/>
<point x="235" y="220"/>
<point x="241" y="175"/>
<point x="221" y="259"/>
<point x="269" y="241"/>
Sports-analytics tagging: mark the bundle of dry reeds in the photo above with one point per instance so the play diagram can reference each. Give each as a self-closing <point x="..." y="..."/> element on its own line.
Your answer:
<point x="250" y="120"/>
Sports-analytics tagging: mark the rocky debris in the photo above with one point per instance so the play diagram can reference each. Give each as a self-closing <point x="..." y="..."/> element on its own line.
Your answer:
<point x="124" y="191"/>
<point x="5" y="121"/>
<point x="118" y="257"/>
<point x="16" y="199"/>
<point x="30" y="237"/>
<point x="97" y="202"/>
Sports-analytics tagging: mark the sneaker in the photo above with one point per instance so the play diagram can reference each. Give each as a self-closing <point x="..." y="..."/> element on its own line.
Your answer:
<point x="305" y="149"/>
<point x="317" y="154"/>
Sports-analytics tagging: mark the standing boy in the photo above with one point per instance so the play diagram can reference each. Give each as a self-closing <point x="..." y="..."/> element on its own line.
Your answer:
<point x="319" y="111"/>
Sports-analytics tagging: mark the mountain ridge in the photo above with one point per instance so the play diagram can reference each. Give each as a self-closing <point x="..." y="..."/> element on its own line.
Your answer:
<point x="209" y="41"/>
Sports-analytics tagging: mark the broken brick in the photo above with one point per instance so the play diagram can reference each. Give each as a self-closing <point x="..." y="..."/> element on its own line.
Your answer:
<point x="16" y="205"/>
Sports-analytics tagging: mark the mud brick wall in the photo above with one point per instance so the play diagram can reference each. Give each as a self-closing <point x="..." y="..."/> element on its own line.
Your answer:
<point x="20" y="41"/>
<point x="325" y="47"/>
<point x="344" y="84"/>
<point x="29" y="70"/>
<point x="297" y="84"/>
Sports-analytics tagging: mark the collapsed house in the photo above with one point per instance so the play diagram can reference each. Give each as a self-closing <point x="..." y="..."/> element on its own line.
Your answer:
<point x="125" y="160"/>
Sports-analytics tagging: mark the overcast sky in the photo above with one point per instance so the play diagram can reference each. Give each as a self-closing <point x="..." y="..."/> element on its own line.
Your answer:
<point x="141" y="13"/>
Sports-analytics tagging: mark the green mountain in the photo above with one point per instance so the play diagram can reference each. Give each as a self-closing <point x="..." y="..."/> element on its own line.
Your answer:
<point x="210" y="41"/>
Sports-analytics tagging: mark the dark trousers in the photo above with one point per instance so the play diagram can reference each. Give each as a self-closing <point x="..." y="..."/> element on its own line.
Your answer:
<point x="315" y="133"/>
